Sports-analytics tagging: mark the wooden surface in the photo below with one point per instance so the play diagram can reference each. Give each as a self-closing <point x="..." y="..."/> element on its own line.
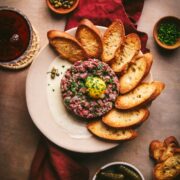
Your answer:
<point x="18" y="135"/>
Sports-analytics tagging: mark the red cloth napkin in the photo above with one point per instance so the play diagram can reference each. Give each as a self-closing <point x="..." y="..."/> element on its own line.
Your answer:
<point x="103" y="12"/>
<point x="50" y="162"/>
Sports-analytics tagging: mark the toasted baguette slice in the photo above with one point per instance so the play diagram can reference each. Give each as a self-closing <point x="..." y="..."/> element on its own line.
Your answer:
<point x="137" y="56"/>
<point x="141" y="94"/>
<point x="149" y="61"/>
<point x="66" y="45"/>
<point x="113" y="38"/>
<point x="133" y="76"/>
<point x="160" y="151"/>
<point x="171" y="141"/>
<point x="99" y="129"/>
<point x="159" y="88"/>
<point x="156" y="150"/>
<point x="126" y="54"/>
<point x="123" y="119"/>
<point x="90" y="38"/>
<point x="169" y="169"/>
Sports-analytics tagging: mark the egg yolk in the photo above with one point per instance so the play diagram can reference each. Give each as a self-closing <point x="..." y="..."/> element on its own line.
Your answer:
<point x="96" y="87"/>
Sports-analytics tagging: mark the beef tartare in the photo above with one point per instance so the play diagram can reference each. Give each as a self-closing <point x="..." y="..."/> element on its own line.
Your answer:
<point x="89" y="88"/>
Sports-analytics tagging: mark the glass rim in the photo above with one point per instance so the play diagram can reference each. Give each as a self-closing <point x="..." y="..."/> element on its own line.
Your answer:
<point x="30" y="34"/>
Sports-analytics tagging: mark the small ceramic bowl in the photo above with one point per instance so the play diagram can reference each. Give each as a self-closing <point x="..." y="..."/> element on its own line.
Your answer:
<point x="156" y="28"/>
<point x="119" y="163"/>
<point x="62" y="10"/>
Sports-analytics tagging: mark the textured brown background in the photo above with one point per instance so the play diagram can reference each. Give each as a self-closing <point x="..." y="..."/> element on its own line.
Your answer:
<point x="18" y="135"/>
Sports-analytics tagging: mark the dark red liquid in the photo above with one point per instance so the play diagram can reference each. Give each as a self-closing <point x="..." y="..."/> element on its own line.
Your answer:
<point x="14" y="35"/>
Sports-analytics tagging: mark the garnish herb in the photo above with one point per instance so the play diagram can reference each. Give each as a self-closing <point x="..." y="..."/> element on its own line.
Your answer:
<point x="67" y="101"/>
<point x="110" y="80"/>
<point x="168" y="33"/>
<point x="73" y="87"/>
<point x="81" y="84"/>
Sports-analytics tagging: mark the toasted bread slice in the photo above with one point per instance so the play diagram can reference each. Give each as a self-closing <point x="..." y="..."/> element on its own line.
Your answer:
<point x="101" y="130"/>
<point x="90" y="38"/>
<point x="160" y="151"/>
<point x="133" y="76"/>
<point x="126" y="54"/>
<point x="136" y="57"/>
<point x="171" y="140"/>
<point x="113" y="38"/>
<point x="123" y="119"/>
<point x="141" y="94"/>
<point x="67" y="46"/>
<point x="159" y="88"/>
<point x="170" y="151"/>
<point x="149" y="61"/>
<point x="156" y="150"/>
<point x="169" y="169"/>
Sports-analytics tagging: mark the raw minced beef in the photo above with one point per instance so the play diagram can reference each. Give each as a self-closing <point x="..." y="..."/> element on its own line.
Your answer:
<point x="75" y="94"/>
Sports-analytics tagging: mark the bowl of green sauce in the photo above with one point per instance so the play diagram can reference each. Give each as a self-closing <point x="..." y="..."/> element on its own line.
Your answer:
<point x="118" y="171"/>
<point x="167" y="32"/>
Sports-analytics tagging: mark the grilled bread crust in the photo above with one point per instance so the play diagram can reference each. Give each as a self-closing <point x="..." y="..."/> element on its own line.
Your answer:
<point x="126" y="53"/>
<point x="141" y="94"/>
<point x="113" y="39"/>
<point x="167" y="156"/>
<point x="125" y="119"/>
<point x="101" y="130"/>
<point x="90" y="38"/>
<point x="149" y="61"/>
<point x="67" y="46"/>
<point x="133" y="76"/>
<point x="169" y="169"/>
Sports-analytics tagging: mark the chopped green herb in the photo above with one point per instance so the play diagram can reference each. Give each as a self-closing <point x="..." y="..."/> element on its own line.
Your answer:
<point x="73" y="90"/>
<point x="105" y="73"/>
<point x="110" y="80"/>
<point x="73" y="87"/>
<point x="79" y="94"/>
<point x="67" y="101"/>
<point x="81" y="84"/>
<point x="168" y="33"/>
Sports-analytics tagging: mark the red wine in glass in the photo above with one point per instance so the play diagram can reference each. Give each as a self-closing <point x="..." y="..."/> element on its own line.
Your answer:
<point x="15" y="35"/>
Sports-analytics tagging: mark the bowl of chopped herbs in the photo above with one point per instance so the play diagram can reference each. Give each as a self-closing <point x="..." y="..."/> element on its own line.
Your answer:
<point x="167" y="32"/>
<point x="62" y="6"/>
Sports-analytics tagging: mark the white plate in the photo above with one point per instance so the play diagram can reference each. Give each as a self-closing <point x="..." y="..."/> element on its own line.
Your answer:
<point x="47" y="110"/>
